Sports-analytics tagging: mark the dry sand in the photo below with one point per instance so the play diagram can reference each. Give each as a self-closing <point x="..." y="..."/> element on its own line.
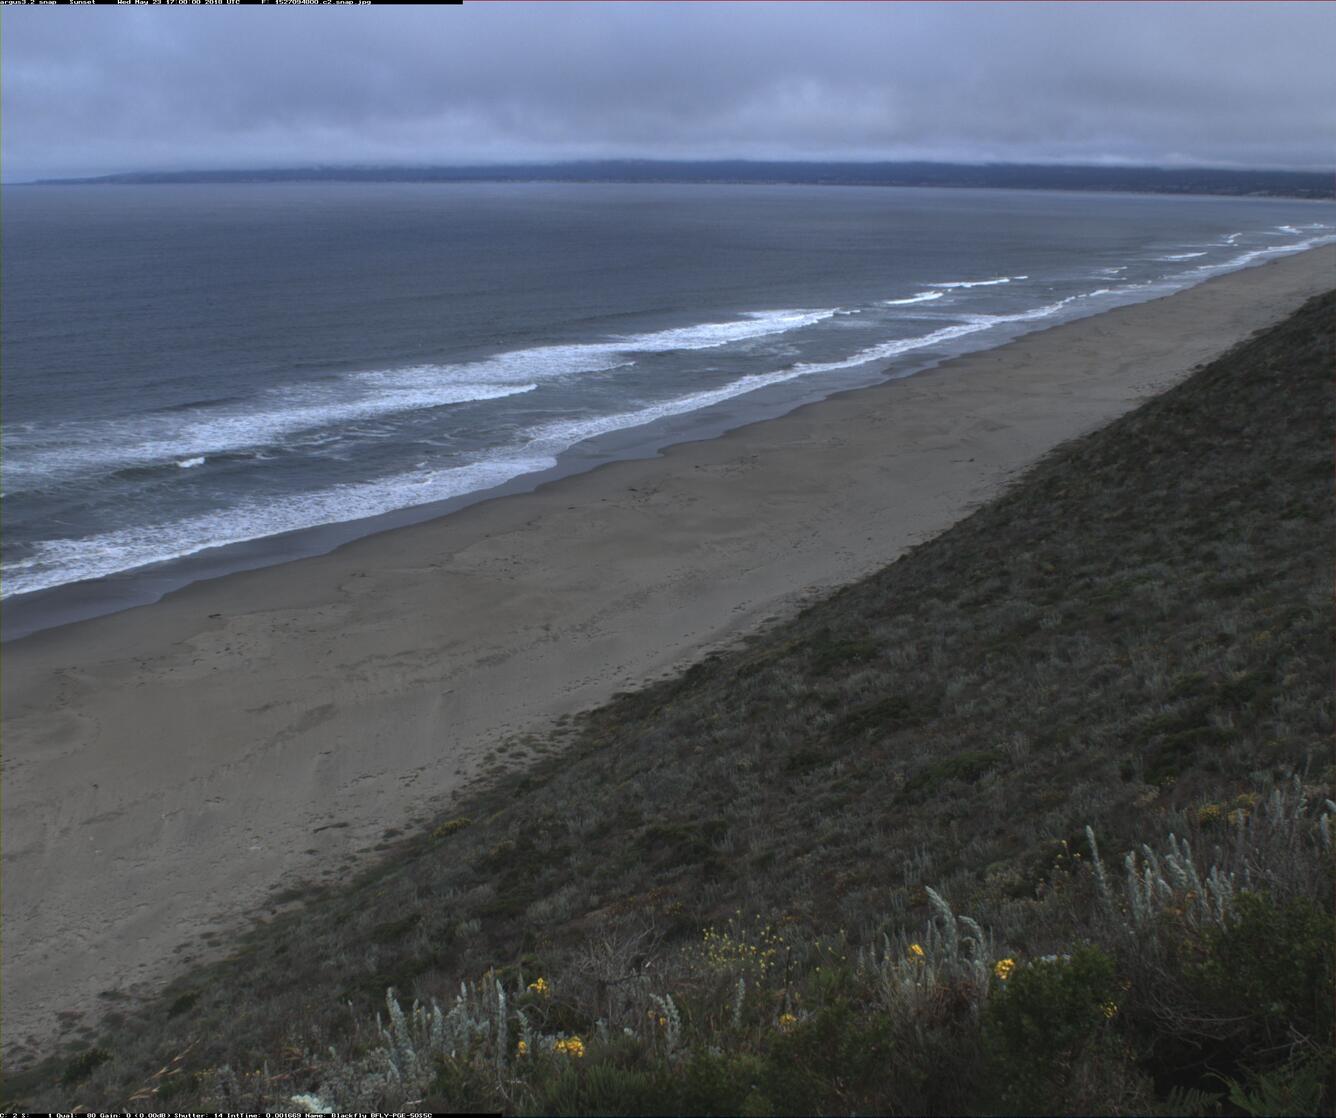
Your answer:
<point x="167" y="767"/>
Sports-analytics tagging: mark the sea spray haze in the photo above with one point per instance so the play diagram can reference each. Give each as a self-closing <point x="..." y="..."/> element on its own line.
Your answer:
<point x="188" y="367"/>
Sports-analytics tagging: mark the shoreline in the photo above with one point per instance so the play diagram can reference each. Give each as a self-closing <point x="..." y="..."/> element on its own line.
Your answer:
<point x="25" y="614"/>
<point x="268" y="726"/>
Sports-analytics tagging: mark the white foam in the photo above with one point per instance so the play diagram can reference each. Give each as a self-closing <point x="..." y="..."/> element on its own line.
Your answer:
<point x="75" y="449"/>
<point x="1048" y="310"/>
<point x="979" y="283"/>
<point x="1181" y="256"/>
<point x="708" y="335"/>
<point x="921" y="297"/>
<point x="1253" y="255"/>
<point x="551" y="361"/>
<point x="56" y="562"/>
<point x="553" y="438"/>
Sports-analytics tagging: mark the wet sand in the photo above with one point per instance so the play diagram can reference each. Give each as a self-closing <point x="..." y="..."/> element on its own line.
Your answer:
<point x="166" y="768"/>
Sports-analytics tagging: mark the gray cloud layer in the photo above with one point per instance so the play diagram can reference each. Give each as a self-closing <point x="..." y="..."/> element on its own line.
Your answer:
<point x="105" y="89"/>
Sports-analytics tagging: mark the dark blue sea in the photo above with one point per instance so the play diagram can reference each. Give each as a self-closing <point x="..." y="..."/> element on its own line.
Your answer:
<point x="195" y="367"/>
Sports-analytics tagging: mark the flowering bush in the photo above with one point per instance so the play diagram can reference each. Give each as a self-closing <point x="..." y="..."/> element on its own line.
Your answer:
<point x="571" y="1046"/>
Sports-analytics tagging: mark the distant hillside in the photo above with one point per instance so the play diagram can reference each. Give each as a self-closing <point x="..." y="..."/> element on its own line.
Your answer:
<point x="1003" y="176"/>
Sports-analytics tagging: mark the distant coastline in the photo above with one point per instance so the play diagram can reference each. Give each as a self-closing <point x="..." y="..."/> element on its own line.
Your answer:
<point x="1265" y="183"/>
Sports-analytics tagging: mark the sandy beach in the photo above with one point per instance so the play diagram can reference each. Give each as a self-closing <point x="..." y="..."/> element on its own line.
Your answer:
<point x="168" y="768"/>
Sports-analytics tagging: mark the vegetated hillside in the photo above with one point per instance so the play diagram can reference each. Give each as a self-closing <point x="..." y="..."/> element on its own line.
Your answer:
<point x="847" y="868"/>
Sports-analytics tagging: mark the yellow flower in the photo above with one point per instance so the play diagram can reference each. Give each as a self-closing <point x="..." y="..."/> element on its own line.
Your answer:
<point x="916" y="951"/>
<point x="787" y="1021"/>
<point x="539" y="986"/>
<point x="523" y="1048"/>
<point x="1003" y="968"/>
<point x="570" y="1046"/>
<point x="1110" y="1010"/>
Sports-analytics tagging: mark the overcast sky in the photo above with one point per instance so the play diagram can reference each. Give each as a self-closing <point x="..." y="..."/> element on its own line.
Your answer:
<point x="105" y="89"/>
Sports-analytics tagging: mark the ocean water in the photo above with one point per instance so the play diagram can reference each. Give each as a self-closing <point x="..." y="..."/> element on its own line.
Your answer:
<point x="187" y="368"/>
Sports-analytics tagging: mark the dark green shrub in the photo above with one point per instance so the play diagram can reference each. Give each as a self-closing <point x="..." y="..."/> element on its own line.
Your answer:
<point x="1296" y="1087"/>
<point x="1270" y="971"/>
<point x="605" y="1088"/>
<point x="1041" y="1021"/>
<point x="966" y="767"/>
<point x="183" y="1002"/>
<point x="833" y="1060"/>
<point x="805" y="760"/>
<point x="828" y="655"/>
<point x="392" y="930"/>
<point x="83" y="1065"/>
<point x="672" y="844"/>
<point x="461" y="1088"/>
<point x="715" y="1083"/>
<point x="883" y="716"/>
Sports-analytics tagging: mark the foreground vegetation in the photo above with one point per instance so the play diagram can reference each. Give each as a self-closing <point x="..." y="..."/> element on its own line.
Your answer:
<point x="1036" y="819"/>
